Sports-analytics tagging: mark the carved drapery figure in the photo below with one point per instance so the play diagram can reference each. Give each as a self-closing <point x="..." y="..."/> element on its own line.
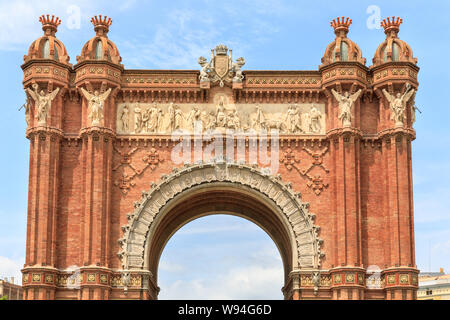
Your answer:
<point x="152" y="122"/>
<point x="193" y="117"/>
<point x="234" y="122"/>
<point x="346" y="102"/>
<point x="293" y="120"/>
<point x="314" y="120"/>
<point x="96" y="103"/>
<point x="398" y="104"/>
<point x="178" y="118"/>
<point x="137" y="119"/>
<point x="171" y="112"/>
<point x="221" y="117"/>
<point x="260" y="120"/>
<point x="43" y="102"/>
<point x="125" y="119"/>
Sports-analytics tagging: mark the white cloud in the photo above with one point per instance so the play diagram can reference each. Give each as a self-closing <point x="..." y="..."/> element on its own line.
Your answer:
<point x="253" y="282"/>
<point x="11" y="268"/>
<point x="186" y="34"/>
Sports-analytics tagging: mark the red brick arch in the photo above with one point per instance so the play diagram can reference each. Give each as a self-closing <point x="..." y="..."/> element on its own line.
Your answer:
<point x="238" y="190"/>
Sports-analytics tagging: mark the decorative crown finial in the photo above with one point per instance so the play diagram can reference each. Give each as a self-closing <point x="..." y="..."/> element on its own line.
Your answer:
<point x="392" y="25"/>
<point x="341" y="25"/>
<point x="101" y="24"/>
<point x="221" y="49"/>
<point x="50" y="25"/>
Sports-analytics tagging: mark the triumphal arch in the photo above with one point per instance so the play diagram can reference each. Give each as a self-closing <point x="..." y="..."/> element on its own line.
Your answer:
<point x="120" y="159"/>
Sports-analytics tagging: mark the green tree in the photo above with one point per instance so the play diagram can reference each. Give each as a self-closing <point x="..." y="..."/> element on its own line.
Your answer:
<point x="4" y="298"/>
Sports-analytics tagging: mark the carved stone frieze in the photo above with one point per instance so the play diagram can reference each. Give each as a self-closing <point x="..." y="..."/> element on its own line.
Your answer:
<point x="163" y="118"/>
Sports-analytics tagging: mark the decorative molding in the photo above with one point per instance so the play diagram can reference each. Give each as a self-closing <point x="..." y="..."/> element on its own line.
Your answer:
<point x="151" y="160"/>
<point x="315" y="182"/>
<point x="136" y="232"/>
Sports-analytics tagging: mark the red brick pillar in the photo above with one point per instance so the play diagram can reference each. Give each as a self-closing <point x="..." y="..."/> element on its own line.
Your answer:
<point x="401" y="272"/>
<point x="42" y="202"/>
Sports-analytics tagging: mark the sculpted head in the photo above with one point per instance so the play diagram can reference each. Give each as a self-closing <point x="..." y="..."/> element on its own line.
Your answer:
<point x="398" y="95"/>
<point x="96" y="93"/>
<point x="346" y="94"/>
<point x="42" y="93"/>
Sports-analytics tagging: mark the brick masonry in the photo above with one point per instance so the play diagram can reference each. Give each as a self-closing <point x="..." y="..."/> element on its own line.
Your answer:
<point x="359" y="184"/>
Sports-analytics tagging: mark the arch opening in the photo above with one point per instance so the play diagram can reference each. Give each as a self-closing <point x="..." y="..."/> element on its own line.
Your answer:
<point x="204" y="189"/>
<point x="220" y="257"/>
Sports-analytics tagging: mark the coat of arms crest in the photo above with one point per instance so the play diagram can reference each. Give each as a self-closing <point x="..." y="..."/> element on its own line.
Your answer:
<point x="221" y="67"/>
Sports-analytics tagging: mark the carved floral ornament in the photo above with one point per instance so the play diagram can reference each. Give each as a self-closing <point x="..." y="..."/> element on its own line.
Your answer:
<point x="291" y="209"/>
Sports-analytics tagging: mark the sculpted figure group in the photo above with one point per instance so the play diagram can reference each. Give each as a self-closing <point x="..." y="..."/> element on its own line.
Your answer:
<point x="152" y="119"/>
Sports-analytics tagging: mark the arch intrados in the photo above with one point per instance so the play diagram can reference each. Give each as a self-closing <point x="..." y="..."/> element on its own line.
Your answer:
<point x="228" y="199"/>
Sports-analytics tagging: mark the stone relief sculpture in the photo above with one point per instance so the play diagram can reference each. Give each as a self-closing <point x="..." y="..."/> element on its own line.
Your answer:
<point x="293" y="120"/>
<point x="237" y="66"/>
<point x="346" y="102"/>
<point x="27" y="110"/>
<point x="43" y="102"/>
<point x="314" y="120"/>
<point x="204" y="72"/>
<point x="171" y="117"/>
<point x="96" y="104"/>
<point x="193" y="117"/>
<point x="165" y="118"/>
<point x="125" y="118"/>
<point x="221" y="67"/>
<point x="137" y="119"/>
<point x="398" y="105"/>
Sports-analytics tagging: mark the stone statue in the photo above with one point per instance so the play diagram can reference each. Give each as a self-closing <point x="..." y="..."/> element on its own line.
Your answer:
<point x="152" y="124"/>
<point x="178" y="118"/>
<point x="96" y="103"/>
<point x="160" y="119"/>
<point x="43" y="102"/>
<point x="293" y="120"/>
<point x="398" y="104"/>
<point x="209" y="120"/>
<point x="137" y="119"/>
<point x="314" y="120"/>
<point x="171" y="112"/>
<point x="193" y="117"/>
<point x="234" y="122"/>
<point x="221" y="117"/>
<point x="27" y="110"/>
<point x="346" y="102"/>
<point x="260" y="121"/>
<point x="125" y="119"/>
<point x="236" y="68"/>
<point x="145" y="117"/>
<point x="205" y="69"/>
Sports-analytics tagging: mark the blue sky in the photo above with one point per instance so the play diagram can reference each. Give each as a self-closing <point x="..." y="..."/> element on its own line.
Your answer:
<point x="276" y="34"/>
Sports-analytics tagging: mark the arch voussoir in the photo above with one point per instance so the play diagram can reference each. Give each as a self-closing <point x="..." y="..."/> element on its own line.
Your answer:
<point x="304" y="234"/>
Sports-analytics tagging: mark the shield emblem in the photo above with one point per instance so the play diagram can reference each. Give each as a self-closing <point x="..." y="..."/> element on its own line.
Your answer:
<point x="221" y="65"/>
